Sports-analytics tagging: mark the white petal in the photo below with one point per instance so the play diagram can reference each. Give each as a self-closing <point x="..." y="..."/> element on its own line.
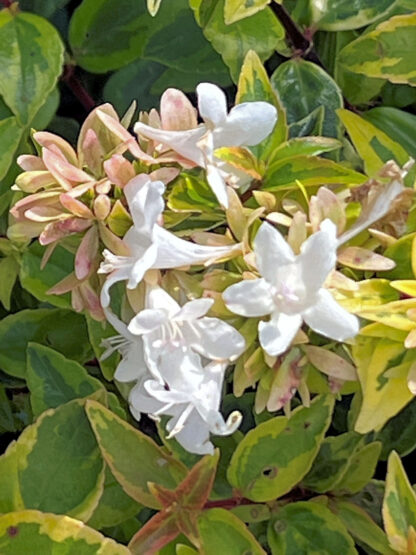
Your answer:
<point x="272" y="251"/>
<point x="212" y="104"/>
<point x="158" y="298"/>
<point x="247" y="124"/>
<point x="141" y="265"/>
<point x="194" y="436"/>
<point x="215" y="339"/>
<point x="276" y="335"/>
<point x="141" y="401"/>
<point x="174" y="252"/>
<point x="194" y="309"/>
<point x="117" y="275"/>
<point x="183" y="142"/>
<point x="132" y="366"/>
<point x="147" y="320"/>
<point x="145" y="201"/>
<point x="318" y="256"/>
<point x="328" y="318"/>
<point x="217" y="183"/>
<point x="158" y="391"/>
<point x="251" y="297"/>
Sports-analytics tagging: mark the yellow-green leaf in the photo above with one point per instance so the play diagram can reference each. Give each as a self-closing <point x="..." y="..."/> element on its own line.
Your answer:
<point x="386" y="52"/>
<point x="399" y="507"/>
<point x="308" y="170"/>
<point x="254" y="85"/>
<point x="342" y="15"/>
<point x="383" y="396"/>
<point x="134" y="458"/>
<point x="234" y="10"/>
<point x="373" y="145"/>
<point x="274" y="456"/>
<point x="25" y="532"/>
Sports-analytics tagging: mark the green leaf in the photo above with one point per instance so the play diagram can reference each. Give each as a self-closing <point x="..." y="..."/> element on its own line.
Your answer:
<point x="254" y="85"/>
<point x="136" y="34"/>
<point x="10" y="135"/>
<point x="306" y="527"/>
<point x="9" y="270"/>
<point x="134" y="458"/>
<point x="341" y="15"/>
<point x="114" y="507"/>
<point x="383" y="396"/>
<point x="386" y="52"/>
<point x="399" y="507"/>
<point x="41" y="326"/>
<point x="38" y="281"/>
<point x="31" y="54"/>
<point x="43" y="533"/>
<point x="56" y="464"/>
<point x="190" y="194"/>
<point x="297" y="79"/>
<point x="312" y="124"/>
<point x="47" y="8"/>
<point x="399" y="433"/>
<point x="309" y="170"/>
<point x="47" y="110"/>
<point x="276" y="455"/>
<point x="304" y="146"/>
<point x="373" y="145"/>
<point x="360" y="470"/>
<point x="221" y="531"/>
<point x="331" y="462"/>
<point x="54" y="380"/>
<point x="361" y="526"/>
<point x="399" y="125"/>
<point x="262" y="30"/>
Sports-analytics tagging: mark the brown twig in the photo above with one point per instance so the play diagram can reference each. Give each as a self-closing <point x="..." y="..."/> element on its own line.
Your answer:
<point x="228" y="503"/>
<point x="77" y="88"/>
<point x="301" y="44"/>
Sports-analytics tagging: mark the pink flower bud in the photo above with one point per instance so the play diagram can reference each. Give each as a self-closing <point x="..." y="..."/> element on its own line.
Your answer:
<point x="56" y="144"/>
<point x="176" y="111"/>
<point x="93" y="153"/>
<point x="86" y="253"/>
<point x="29" y="163"/>
<point x="119" y="170"/>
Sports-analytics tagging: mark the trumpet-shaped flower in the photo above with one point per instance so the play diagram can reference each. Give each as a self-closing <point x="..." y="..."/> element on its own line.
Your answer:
<point x="149" y="245"/>
<point x="191" y="397"/>
<point x="291" y="289"/>
<point x="165" y="327"/>
<point x="247" y="124"/>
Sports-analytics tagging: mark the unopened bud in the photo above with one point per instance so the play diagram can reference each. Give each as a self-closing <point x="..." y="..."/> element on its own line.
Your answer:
<point x="102" y="207"/>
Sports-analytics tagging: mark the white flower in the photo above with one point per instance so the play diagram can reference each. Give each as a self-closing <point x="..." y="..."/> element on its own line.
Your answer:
<point x="291" y="289"/>
<point x="191" y="397"/>
<point x="132" y="366"/>
<point x="166" y="327"/>
<point x="148" y="243"/>
<point x="247" y="124"/>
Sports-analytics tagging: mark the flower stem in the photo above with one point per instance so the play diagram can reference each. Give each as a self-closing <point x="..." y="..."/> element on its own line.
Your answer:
<point x="228" y="503"/>
<point x="77" y="88"/>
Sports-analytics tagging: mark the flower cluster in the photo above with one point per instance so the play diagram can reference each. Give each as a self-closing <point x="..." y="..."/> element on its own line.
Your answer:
<point x="247" y="286"/>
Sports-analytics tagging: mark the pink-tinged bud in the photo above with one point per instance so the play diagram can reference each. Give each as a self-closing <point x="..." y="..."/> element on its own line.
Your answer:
<point x="57" y="230"/>
<point x="47" y="254"/>
<point x="166" y="175"/>
<point x="103" y="187"/>
<point x="77" y="301"/>
<point x="56" y="144"/>
<point x="119" y="170"/>
<point x="67" y="284"/>
<point x="107" y="141"/>
<point x="176" y="111"/>
<point x="93" y="153"/>
<point x="32" y="181"/>
<point x="29" y="163"/>
<point x="326" y="205"/>
<point x="86" y="253"/>
<point x="153" y="119"/>
<point x="115" y="127"/>
<point x="102" y="207"/>
<point x="91" y="301"/>
<point x="44" y="198"/>
<point x="44" y="213"/>
<point x="75" y="206"/>
<point x="65" y="173"/>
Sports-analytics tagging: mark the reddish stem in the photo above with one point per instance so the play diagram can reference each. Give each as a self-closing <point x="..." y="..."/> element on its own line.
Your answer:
<point x="77" y="88"/>
<point x="228" y="503"/>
